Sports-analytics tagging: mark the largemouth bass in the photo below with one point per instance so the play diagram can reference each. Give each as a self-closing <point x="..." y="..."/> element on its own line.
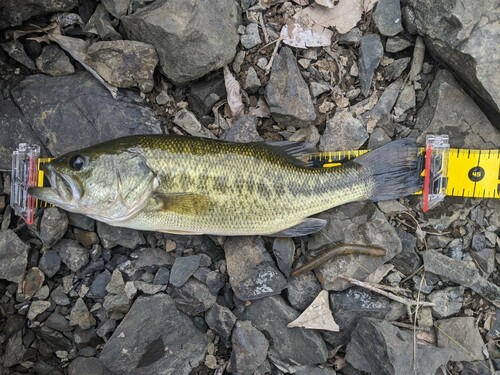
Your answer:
<point x="189" y="185"/>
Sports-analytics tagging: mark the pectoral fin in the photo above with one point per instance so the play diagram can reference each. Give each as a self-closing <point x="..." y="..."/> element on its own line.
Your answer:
<point x="183" y="203"/>
<point x="308" y="226"/>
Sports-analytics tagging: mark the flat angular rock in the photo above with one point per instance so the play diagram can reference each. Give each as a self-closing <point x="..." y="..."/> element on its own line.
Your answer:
<point x="100" y="23"/>
<point x="49" y="104"/>
<point x="14" y="12"/>
<point x="188" y="122"/>
<point x="81" y="316"/>
<point x="249" y="348"/>
<point x="390" y="350"/>
<point x="284" y="250"/>
<point x="291" y="345"/>
<point x="462" y="336"/>
<point x="54" y="62"/>
<point x="204" y="93"/>
<point x="153" y="338"/>
<point x="448" y="301"/>
<point x="146" y="259"/>
<point x="183" y="269"/>
<point x="287" y="93"/>
<point x="387" y="17"/>
<point x="87" y="366"/>
<point x="221" y="320"/>
<point x="463" y="36"/>
<point x="193" y="297"/>
<point x="116" y="236"/>
<point x="252" y="272"/>
<point x="370" y="54"/>
<point x="407" y="261"/>
<point x="356" y="223"/>
<point x="301" y="290"/>
<point x="397" y="44"/>
<point x="49" y="263"/>
<point x="72" y="254"/>
<point x="16" y="51"/>
<point x="449" y="110"/>
<point x="36" y="308"/>
<point x="244" y="129"/>
<point x="188" y="42"/>
<point x="13" y="256"/>
<point x="53" y="226"/>
<point x="124" y="63"/>
<point x="251" y="38"/>
<point x="343" y="132"/>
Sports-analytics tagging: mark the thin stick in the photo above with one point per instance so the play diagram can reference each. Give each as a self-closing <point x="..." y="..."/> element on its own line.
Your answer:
<point x="263" y="27"/>
<point x="275" y="52"/>
<point x="404" y="301"/>
<point x="410" y="326"/>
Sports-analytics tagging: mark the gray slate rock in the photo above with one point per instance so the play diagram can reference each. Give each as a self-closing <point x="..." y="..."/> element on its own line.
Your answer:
<point x="407" y="261"/>
<point x="244" y="129"/>
<point x="221" y="320"/>
<point x="252" y="272"/>
<point x="188" y="122"/>
<point x="117" y="8"/>
<point x="312" y="370"/>
<point x="54" y="62"/>
<point x="287" y="93"/>
<point x="201" y="47"/>
<point x="193" y="297"/>
<point x="53" y="226"/>
<point x="100" y="23"/>
<point x="72" y="254"/>
<point x="54" y="339"/>
<point x="302" y="290"/>
<point x="204" y="94"/>
<point x="284" y="250"/>
<point x="14" y="12"/>
<point x="397" y="44"/>
<point x="183" y="269"/>
<point x="16" y="51"/>
<point x="449" y="110"/>
<point x="370" y="54"/>
<point x="87" y="366"/>
<point x="146" y="259"/>
<point x="251" y="37"/>
<point x="81" y="316"/>
<point x="49" y="263"/>
<point x="139" y="344"/>
<point x="343" y="132"/>
<point x="380" y="115"/>
<point x="356" y="223"/>
<point x="252" y="81"/>
<point x="387" y="17"/>
<point x="13" y="256"/>
<point x="462" y="336"/>
<point x="390" y="350"/>
<point x="58" y="322"/>
<point x="124" y="63"/>
<point x="249" y="348"/>
<point x="464" y="36"/>
<point x="80" y="100"/>
<point x="116" y="236"/>
<point x="291" y="345"/>
<point x="14" y="350"/>
<point x="36" y="308"/>
<point x="81" y="221"/>
<point x="449" y="301"/>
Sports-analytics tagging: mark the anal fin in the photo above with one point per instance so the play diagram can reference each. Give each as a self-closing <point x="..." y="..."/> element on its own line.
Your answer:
<point x="307" y="226"/>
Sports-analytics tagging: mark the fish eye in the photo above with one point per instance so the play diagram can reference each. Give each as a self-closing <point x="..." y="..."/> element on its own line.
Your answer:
<point x="76" y="162"/>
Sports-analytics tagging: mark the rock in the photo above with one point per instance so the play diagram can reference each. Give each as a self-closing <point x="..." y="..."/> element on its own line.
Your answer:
<point x="302" y="289"/>
<point x="168" y="343"/>
<point x="397" y="44"/>
<point x="449" y="301"/>
<point x="485" y="259"/>
<point x="117" y="8"/>
<point x="53" y="226"/>
<point x="349" y="306"/>
<point x="146" y="259"/>
<point x="378" y="138"/>
<point x="36" y="308"/>
<point x="244" y="129"/>
<point x="14" y="129"/>
<point x="117" y="305"/>
<point x="193" y="297"/>
<point x="318" y="88"/>
<point x="312" y="370"/>
<point x="309" y="135"/>
<point x="80" y="100"/>
<point x="394" y="70"/>
<point x="32" y="282"/>
<point x="13" y="13"/>
<point x="249" y="349"/>
<point x="87" y="366"/>
<point x="252" y="272"/>
<point x="291" y="345"/>
<point x="215" y="282"/>
<point x="406" y="100"/>
<point x="81" y="316"/>
<point x="54" y="62"/>
<point x="201" y="47"/>
<point x="100" y="23"/>
<point x="357" y="223"/>
<point x="117" y="236"/>
<point x="462" y="36"/>
<point x="188" y="122"/>
<point x="462" y="336"/>
<point x="13" y="256"/>
<point x="460" y="272"/>
<point x="221" y="320"/>
<point x="251" y="37"/>
<point x="49" y="263"/>
<point x="58" y="322"/>
<point x="16" y="51"/>
<point x="387" y="17"/>
<point x="14" y="350"/>
<point x="54" y="339"/>
<point x="448" y="110"/>
<point x="116" y="284"/>
<point x="352" y="37"/>
<point x="81" y="221"/>
<point x="204" y="93"/>
<point x="284" y="250"/>
<point x="252" y="81"/>
<point x="343" y="132"/>
<point x="59" y="297"/>
<point x="147" y="288"/>
<point x="390" y="350"/>
<point x="287" y="93"/>
<point x="124" y="63"/>
<point x="86" y="238"/>
<point x="380" y="115"/>
<point x="72" y="254"/>
<point x="106" y="327"/>
<point x="407" y="261"/>
<point x="183" y="269"/>
<point x="370" y="54"/>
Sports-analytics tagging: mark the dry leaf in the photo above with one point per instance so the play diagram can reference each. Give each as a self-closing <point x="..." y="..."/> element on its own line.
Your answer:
<point x="344" y="16"/>
<point x="369" y="4"/>
<point x="298" y="37"/>
<point x="301" y="2"/>
<point x="326" y="3"/>
<point x="261" y="110"/>
<point x="233" y="90"/>
<point x="317" y="316"/>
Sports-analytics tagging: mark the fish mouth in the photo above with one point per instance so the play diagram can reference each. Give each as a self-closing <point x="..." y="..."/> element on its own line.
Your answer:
<point x="63" y="189"/>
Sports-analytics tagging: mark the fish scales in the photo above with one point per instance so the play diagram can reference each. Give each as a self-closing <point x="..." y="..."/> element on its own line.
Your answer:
<point x="192" y="185"/>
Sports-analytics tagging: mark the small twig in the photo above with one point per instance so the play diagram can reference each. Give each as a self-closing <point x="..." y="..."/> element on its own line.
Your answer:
<point x="410" y="326"/>
<point x="373" y="288"/>
<point x="275" y="52"/>
<point x="263" y="27"/>
<point x="415" y="324"/>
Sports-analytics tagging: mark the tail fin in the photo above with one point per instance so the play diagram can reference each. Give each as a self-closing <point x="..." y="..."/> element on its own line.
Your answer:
<point x="394" y="168"/>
